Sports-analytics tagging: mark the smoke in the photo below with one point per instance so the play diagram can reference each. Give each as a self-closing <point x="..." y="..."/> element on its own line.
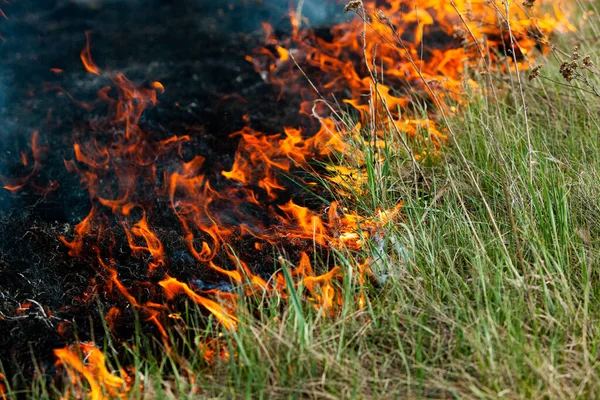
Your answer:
<point x="5" y="200"/>
<point x="314" y="13"/>
<point x="318" y="12"/>
<point x="3" y="90"/>
<point x="246" y="15"/>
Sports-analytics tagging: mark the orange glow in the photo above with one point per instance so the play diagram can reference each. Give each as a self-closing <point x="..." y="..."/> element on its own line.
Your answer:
<point x="111" y="317"/>
<point x="158" y="86"/>
<point x="284" y="55"/>
<point x="2" y="386"/>
<point x="391" y="58"/>
<point x="142" y="230"/>
<point x="319" y="286"/>
<point x="173" y="287"/>
<point x="86" y="57"/>
<point x="87" y="361"/>
<point x="257" y="168"/>
<point x="397" y="50"/>
<point x="14" y="184"/>
<point x="310" y="225"/>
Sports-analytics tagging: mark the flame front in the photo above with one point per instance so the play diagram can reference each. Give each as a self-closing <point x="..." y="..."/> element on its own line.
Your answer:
<point x="142" y="184"/>
<point x="363" y="63"/>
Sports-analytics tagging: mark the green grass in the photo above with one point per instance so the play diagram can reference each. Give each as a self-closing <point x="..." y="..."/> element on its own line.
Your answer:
<point x="489" y="286"/>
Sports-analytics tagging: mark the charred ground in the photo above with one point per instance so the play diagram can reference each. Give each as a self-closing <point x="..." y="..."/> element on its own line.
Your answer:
<point x="196" y="50"/>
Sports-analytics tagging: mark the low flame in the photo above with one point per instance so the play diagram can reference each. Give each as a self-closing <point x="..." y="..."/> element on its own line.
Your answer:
<point x="38" y="152"/>
<point x="87" y="361"/>
<point x="2" y="386"/>
<point x="173" y="287"/>
<point x="133" y="174"/>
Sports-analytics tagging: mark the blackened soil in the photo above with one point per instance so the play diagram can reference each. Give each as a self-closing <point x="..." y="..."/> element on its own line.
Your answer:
<point x="196" y="49"/>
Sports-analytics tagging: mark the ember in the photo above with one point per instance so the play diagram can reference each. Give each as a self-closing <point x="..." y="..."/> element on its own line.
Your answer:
<point x="185" y="174"/>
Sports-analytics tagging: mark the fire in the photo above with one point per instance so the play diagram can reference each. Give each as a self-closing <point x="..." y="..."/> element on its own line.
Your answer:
<point x="141" y="230"/>
<point x="88" y="361"/>
<point x="313" y="283"/>
<point x="86" y="58"/>
<point x="38" y="152"/>
<point x="173" y="287"/>
<point x="310" y="226"/>
<point x="2" y="386"/>
<point x="112" y="316"/>
<point x="144" y="186"/>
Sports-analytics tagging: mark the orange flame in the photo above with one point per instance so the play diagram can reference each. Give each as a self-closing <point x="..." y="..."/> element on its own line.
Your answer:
<point x="173" y="287"/>
<point x="86" y="57"/>
<point x="14" y="184"/>
<point x="88" y="361"/>
<point x="379" y="64"/>
<point x="2" y="386"/>
<point x="323" y="298"/>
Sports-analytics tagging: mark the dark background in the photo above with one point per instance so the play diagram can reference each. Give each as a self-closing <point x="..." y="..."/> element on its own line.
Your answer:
<point x="196" y="49"/>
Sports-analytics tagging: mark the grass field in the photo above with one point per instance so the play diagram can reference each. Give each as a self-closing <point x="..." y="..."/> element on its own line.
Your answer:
<point x="488" y="287"/>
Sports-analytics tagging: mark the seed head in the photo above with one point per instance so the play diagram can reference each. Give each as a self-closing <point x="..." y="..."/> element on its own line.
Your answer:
<point x="535" y="72"/>
<point x="382" y="16"/>
<point x="568" y="70"/>
<point x="575" y="56"/>
<point x="461" y="34"/>
<point x="352" y="5"/>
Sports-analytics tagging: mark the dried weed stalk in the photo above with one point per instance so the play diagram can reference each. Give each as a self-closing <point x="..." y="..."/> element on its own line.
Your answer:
<point x="577" y="69"/>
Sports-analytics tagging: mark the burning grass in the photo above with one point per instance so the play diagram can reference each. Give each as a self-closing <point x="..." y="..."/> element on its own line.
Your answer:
<point x="482" y="286"/>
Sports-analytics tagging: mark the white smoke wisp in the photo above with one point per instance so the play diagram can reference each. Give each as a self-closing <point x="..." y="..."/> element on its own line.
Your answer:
<point x="317" y="12"/>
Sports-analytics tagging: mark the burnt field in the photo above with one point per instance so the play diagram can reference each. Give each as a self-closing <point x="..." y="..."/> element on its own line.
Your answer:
<point x="308" y="199"/>
<point x="48" y="102"/>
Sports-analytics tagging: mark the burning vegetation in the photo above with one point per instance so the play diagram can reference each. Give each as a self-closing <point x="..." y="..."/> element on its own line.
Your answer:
<point x="166" y="225"/>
